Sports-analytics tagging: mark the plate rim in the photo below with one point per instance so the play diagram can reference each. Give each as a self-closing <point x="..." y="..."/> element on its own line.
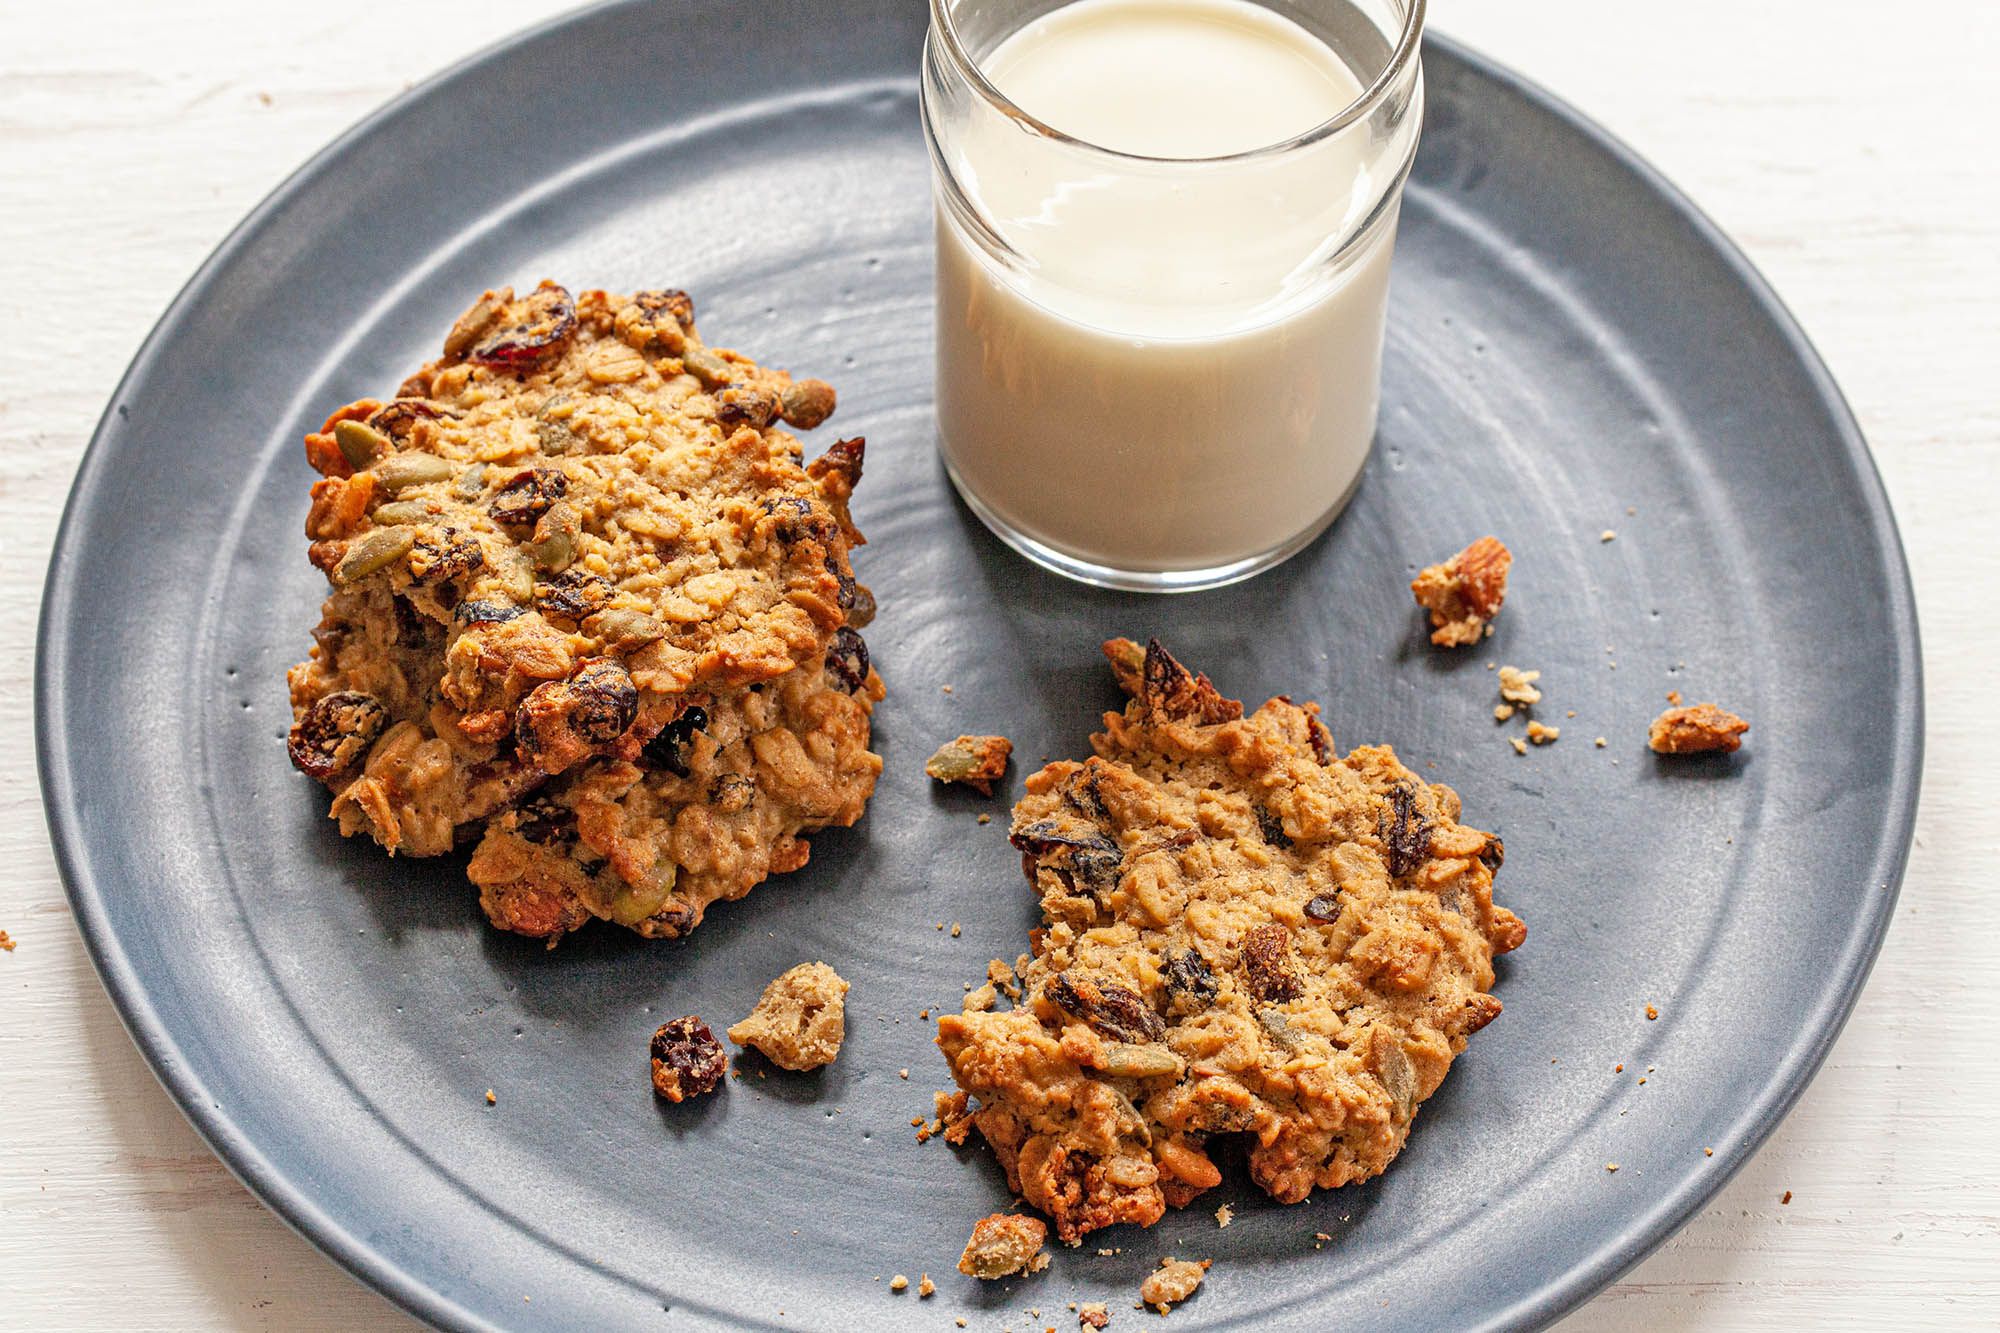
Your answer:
<point x="1614" y="1255"/>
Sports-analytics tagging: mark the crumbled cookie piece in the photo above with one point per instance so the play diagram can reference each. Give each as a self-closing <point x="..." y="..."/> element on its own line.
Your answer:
<point x="899" y="1283"/>
<point x="926" y="1287"/>
<point x="1224" y="1215"/>
<point x="7" y="941"/>
<point x="1696" y="729"/>
<point x="1464" y="593"/>
<point x="1242" y="933"/>
<point x="1093" y="1315"/>
<point x="971" y="761"/>
<point x="1518" y="686"/>
<point x="687" y="1059"/>
<point x="1541" y="733"/>
<point x="801" y="1019"/>
<point x="1173" y="1282"/>
<point x="1005" y="1244"/>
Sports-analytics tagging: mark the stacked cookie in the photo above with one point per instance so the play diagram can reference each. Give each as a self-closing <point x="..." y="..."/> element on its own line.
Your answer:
<point x="592" y="612"/>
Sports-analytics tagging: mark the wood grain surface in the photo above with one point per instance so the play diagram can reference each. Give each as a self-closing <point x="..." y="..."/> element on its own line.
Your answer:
<point x="1851" y="159"/>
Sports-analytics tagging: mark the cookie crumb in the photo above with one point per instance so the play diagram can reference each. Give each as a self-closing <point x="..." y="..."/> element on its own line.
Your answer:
<point x="1005" y="1244"/>
<point x="1224" y="1215"/>
<point x="971" y="761"/>
<point x="945" y="688"/>
<point x="7" y="941"/>
<point x="1607" y="536"/>
<point x="902" y="1073"/>
<point x="687" y="1059"/>
<point x="1600" y="742"/>
<point x="1501" y="712"/>
<point x="899" y="1283"/>
<point x="1464" y="593"/>
<point x="1518" y="686"/>
<point x="1787" y="1197"/>
<point x="491" y="1100"/>
<point x="1708" y="1152"/>
<point x="985" y="818"/>
<point x="1093" y="1315"/>
<point x="1520" y="746"/>
<point x="1173" y="1282"/>
<point x="954" y="930"/>
<point x="1699" y="729"/>
<point x="1651" y="1013"/>
<point x="1618" y="1069"/>
<point x="926" y="1287"/>
<point x="1611" y="1166"/>
<point x="800" y="1020"/>
<point x="1674" y="698"/>
<point x="1542" y="734"/>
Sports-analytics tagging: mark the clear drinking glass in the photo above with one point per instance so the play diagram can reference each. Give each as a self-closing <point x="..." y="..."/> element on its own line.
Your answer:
<point x="1162" y="373"/>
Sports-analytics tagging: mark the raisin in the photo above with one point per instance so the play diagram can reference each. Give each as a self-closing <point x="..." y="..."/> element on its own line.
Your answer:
<point x="1188" y="974"/>
<point x="750" y="405"/>
<point x="1322" y="741"/>
<point x="398" y="420"/>
<point x="668" y="750"/>
<point x="1110" y="1008"/>
<point x="1272" y="828"/>
<point x="862" y="613"/>
<point x="1172" y="691"/>
<point x="847" y="660"/>
<point x="1405" y="832"/>
<point x="561" y="722"/>
<point x="1324" y="908"/>
<point x="1080" y="794"/>
<point x="528" y="495"/>
<point x="335" y="733"/>
<point x="844" y="595"/>
<point x="1267" y="964"/>
<point x="531" y="329"/>
<point x="443" y="554"/>
<point x="731" y="793"/>
<point x="414" y="629"/>
<point x="541" y="820"/>
<point x="573" y="594"/>
<point x="1494" y="854"/>
<point x="487" y="613"/>
<point x="842" y="458"/>
<point x="687" y="1059"/>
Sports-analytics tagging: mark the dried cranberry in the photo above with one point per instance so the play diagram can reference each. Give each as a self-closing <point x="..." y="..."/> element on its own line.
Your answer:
<point x="543" y="821"/>
<point x="687" y="1059"/>
<point x="847" y="660"/>
<point x="844" y="596"/>
<point x="1322" y="741"/>
<point x="533" y="328"/>
<point x="1110" y="1008"/>
<point x="335" y="733"/>
<point x="398" y="420"/>
<point x="1267" y="964"/>
<point x="573" y="594"/>
<point x="1494" y="854"/>
<point x="1405" y="832"/>
<point x="667" y="751"/>
<point x="528" y="495"/>
<point x="1172" y="691"/>
<point x="561" y="722"/>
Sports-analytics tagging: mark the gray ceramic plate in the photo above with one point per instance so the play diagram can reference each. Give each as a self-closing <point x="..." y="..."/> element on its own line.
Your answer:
<point x="1572" y="348"/>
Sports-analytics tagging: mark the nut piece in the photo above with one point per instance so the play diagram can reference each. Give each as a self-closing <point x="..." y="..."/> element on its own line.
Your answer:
<point x="1697" y="729"/>
<point x="799" y="1022"/>
<point x="687" y="1059"/>
<point x="1175" y="1281"/>
<point x="1003" y="1245"/>
<point x="974" y="761"/>
<point x="1464" y="593"/>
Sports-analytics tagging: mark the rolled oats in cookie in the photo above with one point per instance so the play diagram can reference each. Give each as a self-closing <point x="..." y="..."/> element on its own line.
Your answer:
<point x="1244" y="933"/>
<point x="592" y="612"/>
<point x="801" y="1019"/>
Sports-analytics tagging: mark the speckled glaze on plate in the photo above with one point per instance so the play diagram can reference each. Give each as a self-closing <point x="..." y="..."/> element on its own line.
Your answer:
<point x="1572" y="348"/>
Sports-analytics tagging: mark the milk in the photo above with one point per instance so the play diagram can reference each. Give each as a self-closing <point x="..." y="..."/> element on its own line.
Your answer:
<point x="1178" y="370"/>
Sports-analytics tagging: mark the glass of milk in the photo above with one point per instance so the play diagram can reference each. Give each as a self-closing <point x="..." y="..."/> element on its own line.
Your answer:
<point x="1163" y="241"/>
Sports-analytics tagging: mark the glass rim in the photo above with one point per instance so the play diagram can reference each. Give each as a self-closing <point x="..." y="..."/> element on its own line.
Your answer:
<point x="1372" y="96"/>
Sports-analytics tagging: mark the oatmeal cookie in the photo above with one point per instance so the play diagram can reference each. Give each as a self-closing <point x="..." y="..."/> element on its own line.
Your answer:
<point x="565" y="548"/>
<point x="1243" y="933"/>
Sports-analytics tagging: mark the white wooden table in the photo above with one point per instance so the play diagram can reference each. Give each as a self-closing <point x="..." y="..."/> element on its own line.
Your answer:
<point x="1852" y="156"/>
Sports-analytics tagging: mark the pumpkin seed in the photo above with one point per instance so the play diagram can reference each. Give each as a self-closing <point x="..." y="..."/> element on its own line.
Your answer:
<point x="633" y="903"/>
<point x="472" y="482"/>
<point x="401" y="511"/>
<point x="371" y="552"/>
<point x="624" y="630"/>
<point x="399" y="472"/>
<point x="1148" y="1061"/>
<point x="554" y="544"/>
<point x="360" y="443"/>
<point x="706" y="366"/>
